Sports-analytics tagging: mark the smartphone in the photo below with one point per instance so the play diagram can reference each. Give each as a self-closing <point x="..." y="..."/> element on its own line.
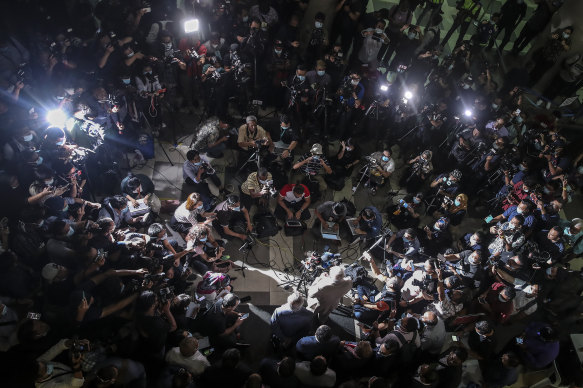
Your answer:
<point x="33" y="316"/>
<point x="84" y="296"/>
<point x="488" y="219"/>
<point x="405" y="205"/>
<point x="208" y="352"/>
<point x="454" y="338"/>
<point x="519" y="340"/>
<point x="245" y="316"/>
<point x="148" y="9"/>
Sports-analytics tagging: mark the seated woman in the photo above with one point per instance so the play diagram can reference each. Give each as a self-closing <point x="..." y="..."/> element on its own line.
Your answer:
<point x="208" y="252"/>
<point x="455" y="210"/>
<point x="139" y="186"/>
<point x="188" y="214"/>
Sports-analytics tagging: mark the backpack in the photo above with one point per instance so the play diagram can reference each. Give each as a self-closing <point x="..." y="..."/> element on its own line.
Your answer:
<point x="350" y="208"/>
<point x="357" y="273"/>
<point x="265" y="225"/>
<point x="408" y="349"/>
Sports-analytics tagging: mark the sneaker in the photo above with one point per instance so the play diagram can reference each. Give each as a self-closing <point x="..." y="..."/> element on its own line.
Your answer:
<point x="353" y="189"/>
<point x="548" y="105"/>
<point x="539" y="102"/>
<point x="373" y="191"/>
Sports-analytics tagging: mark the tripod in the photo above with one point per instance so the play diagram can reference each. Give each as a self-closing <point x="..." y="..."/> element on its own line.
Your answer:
<point x="255" y="158"/>
<point x="365" y="173"/>
<point x="247" y="248"/>
<point x="143" y="116"/>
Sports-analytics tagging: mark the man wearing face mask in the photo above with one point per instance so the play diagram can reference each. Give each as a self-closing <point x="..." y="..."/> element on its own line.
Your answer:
<point x="497" y="301"/>
<point x="318" y="80"/>
<point x="317" y="39"/>
<point x="195" y="174"/>
<point x="232" y="219"/>
<point x="432" y="333"/>
<point x="406" y="49"/>
<point x="380" y="171"/>
<point x="524" y="208"/>
<point x="49" y="373"/>
<point x="447" y="184"/>
<point x="509" y="236"/>
<point x="287" y="140"/>
<point x="373" y="40"/>
<point x="351" y="93"/>
<point x="551" y="241"/>
<point x="467" y="265"/>
<point x="406" y="214"/>
<point x="278" y="65"/>
<point x="312" y="164"/>
<point x="255" y="189"/>
<point x="573" y="236"/>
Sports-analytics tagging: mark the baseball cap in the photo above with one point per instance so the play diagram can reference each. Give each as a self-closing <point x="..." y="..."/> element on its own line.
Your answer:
<point x="316" y="149"/>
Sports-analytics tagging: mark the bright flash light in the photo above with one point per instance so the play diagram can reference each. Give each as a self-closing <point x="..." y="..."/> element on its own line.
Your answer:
<point x="191" y="26"/>
<point x="468" y="113"/>
<point x="57" y="118"/>
<point x="384" y="88"/>
<point x="408" y="95"/>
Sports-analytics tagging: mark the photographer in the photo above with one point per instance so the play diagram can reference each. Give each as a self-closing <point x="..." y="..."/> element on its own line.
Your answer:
<point x="509" y="236"/>
<point x="232" y="219"/>
<point x="256" y="189"/>
<point x="381" y="166"/>
<point x="150" y="90"/>
<point x="221" y="322"/>
<point x="195" y="172"/>
<point x="447" y="184"/>
<point x="48" y="373"/>
<point x="287" y="140"/>
<point x="252" y="136"/>
<point x="467" y="265"/>
<point x="317" y="39"/>
<point x="373" y="40"/>
<point x="293" y="202"/>
<point x="350" y="97"/>
<point x="154" y="322"/>
<point x="212" y="137"/>
<point x="312" y="163"/>
<point x="297" y="95"/>
<point x="417" y="172"/>
<point x="403" y="245"/>
<point x="208" y="252"/>
<point x="454" y="210"/>
<point x="406" y="213"/>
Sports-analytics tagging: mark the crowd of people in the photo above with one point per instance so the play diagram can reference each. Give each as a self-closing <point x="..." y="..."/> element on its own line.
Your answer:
<point x="95" y="291"/>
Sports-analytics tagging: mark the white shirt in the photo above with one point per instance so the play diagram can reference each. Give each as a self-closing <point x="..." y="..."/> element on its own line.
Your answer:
<point x="520" y="301"/>
<point x="186" y="216"/>
<point x="196" y="364"/>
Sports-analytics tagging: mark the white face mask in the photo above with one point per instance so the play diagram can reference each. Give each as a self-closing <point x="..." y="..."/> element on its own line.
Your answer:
<point x="319" y="24"/>
<point x="27" y="138"/>
<point x="519" y="210"/>
<point x="511" y="226"/>
<point x="71" y="231"/>
<point x="378" y="31"/>
<point x="354" y="82"/>
<point x="473" y="241"/>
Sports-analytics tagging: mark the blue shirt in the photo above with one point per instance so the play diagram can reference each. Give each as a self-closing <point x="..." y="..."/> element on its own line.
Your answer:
<point x="372" y="227"/>
<point x="190" y="170"/>
<point x="511" y="212"/>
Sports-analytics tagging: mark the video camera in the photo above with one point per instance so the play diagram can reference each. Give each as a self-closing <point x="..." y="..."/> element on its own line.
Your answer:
<point x="165" y="294"/>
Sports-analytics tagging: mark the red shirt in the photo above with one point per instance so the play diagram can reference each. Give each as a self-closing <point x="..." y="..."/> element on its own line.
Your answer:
<point x="287" y="192"/>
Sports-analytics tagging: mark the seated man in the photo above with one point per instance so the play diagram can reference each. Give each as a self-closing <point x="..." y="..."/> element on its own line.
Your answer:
<point x="251" y="137"/>
<point x="255" y="189"/>
<point x="293" y="202"/>
<point x="330" y="212"/>
<point x="312" y="163"/>
<point x="232" y="219"/>
<point x="287" y="140"/>
<point x="380" y="168"/>
<point x="291" y="321"/>
<point x="369" y="223"/>
<point x="195" y="172"/>
<point x="211" y="137"/>
<point x="139" y="186"/>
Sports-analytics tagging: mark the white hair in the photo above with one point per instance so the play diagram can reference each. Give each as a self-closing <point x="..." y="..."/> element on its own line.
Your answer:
<point x="295" y="301"/>
<point x="337" y="273"/>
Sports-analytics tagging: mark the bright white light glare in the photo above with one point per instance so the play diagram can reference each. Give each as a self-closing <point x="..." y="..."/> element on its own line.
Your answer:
<point x="191" y="26"/>
<point x="408" y="95"/>
<point x="384" y="88"/>
<point x="57" y="118"/>
<point x="468" y="113"/>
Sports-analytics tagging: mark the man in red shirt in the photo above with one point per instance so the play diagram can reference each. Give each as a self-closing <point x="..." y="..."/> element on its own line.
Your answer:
<point x="497" y="301"/>
<point x="293" y="202"/>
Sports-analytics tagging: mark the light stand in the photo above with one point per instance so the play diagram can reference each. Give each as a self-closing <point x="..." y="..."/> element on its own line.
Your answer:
<point x="247" y="247"/>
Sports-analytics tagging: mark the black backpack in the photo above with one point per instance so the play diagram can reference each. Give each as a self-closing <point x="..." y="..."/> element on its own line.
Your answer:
<point x="408" y="349"/>
<point x="357" y="273"/>
<point x="350" y="208"/>
<point x="265" y="225"/>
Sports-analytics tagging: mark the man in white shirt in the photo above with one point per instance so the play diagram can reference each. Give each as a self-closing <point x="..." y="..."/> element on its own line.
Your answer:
<point x="326" y="291"/>
<point x="187" y="356"/>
